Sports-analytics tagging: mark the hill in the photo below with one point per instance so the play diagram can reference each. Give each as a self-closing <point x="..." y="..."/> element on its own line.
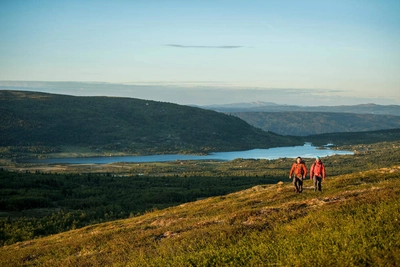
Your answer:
<point x="353" y="222"/>
<point x="133" y="126"/>
<point x="353" y="138"/>
<point x="272" y="107"/>
<point x="311" y="123"/>
<point x="41" y="200"/>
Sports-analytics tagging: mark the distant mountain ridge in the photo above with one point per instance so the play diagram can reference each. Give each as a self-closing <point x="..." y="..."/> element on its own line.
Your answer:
<point x="301" y="123"/>
<point x="273" y="107"/>
<point x="311" y="120"/>
<point x="244" y="105"/>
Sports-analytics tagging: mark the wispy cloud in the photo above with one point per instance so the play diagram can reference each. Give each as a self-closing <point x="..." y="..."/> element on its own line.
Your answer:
<point x="353" y="48"/>
<point x="205" y="46"/>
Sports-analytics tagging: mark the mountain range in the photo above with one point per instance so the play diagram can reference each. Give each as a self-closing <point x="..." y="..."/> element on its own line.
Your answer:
<point x="273" y="107"/>
<point x="310" y="123"/>
<point x="136" y="126"/>
<point x="311" y="120"/>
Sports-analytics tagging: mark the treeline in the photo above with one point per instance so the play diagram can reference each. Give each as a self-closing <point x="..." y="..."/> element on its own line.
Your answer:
<point x="40" y="204"/>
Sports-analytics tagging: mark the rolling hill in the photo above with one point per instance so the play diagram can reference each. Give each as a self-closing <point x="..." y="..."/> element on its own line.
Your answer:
<point x="353" y="222"/>
<point x="124" y="124"/>
<point x="311" y="123"/>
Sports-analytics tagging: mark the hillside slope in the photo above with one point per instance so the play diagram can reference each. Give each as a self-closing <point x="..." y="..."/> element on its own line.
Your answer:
<point x="124" y="124"/>
<point x="353" y="222"/>
<point x="311" y="123"/>
<point x="353" y="138"/>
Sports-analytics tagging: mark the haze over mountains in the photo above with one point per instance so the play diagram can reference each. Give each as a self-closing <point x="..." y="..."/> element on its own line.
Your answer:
<point x="198" y="93"/>
<point x="309" y="120"/>
<point x="273" y="107"/>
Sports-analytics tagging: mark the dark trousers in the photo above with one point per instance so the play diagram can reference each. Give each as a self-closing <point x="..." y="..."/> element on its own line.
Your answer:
<point x="298" y="184"/>
<point x="317" y="183"/>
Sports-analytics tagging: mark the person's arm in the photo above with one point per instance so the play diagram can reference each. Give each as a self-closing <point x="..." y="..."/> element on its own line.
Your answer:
<point x="305" y="171"/>
<point x="311" y="171"/>
<point x="323" y="172"/>
<point x="291" y="172"/>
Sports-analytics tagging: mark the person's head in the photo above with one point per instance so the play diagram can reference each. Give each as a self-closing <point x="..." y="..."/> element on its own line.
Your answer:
<point x="317" y="158"/>
<point x="298" y="159"/>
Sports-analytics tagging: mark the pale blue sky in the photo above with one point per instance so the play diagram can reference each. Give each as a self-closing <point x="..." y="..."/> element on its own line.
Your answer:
<point x="335" y="49"/>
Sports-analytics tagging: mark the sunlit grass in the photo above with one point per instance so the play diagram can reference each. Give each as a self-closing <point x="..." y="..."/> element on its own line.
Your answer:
<point x="353" y="222"/>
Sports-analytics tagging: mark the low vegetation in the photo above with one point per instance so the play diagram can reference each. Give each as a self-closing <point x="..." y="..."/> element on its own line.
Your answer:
<point x="40" y="200"/>
<point x="39" y="204"/>
<point x="353" y="222"/>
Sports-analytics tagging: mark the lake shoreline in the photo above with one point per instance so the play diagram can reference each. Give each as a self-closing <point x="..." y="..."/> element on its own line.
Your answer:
<point x="306" y="151"/>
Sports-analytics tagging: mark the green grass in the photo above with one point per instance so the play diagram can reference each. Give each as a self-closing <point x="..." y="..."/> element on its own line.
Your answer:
<point x="41" y="200"/>
<point x="353" y="222"/>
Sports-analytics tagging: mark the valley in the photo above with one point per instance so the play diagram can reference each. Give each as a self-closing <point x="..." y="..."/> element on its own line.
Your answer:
<point x="348" y="222"/>
<point x="241" y="212"/>
<point x="198" y="133"/>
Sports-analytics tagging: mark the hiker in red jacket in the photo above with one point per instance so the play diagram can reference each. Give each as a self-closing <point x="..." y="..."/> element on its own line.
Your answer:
<point x="317" y="173"/>
<point x="299" y="170"/>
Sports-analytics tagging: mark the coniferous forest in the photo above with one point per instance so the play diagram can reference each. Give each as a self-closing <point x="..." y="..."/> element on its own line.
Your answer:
<point x="34" y="203"/>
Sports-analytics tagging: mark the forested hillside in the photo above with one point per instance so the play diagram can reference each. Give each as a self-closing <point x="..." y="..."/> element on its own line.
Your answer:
<point x="311" y="123"/>
<point x="124" y="124"/>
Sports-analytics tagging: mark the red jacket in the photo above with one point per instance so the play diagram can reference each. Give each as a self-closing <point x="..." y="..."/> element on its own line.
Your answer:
<point x="299" y="169"/>
<point x="317" y="169"/>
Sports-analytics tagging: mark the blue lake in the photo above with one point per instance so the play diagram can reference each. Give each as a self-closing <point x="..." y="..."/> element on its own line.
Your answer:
<point x="306" y="151"/>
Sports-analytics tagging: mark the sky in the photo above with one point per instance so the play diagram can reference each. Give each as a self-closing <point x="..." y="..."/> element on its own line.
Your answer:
<point x="205" y="52"/>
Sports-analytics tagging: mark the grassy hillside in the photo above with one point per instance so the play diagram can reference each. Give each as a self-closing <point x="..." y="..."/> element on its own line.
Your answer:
<point x="122" y="124"/>
<point x="353" y="222"/>
<point x="38" y="204"/>
<point x="312" y="123"/>
<point x="40" y="200"/>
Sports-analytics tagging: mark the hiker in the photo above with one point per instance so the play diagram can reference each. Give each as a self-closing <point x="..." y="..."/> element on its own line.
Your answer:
<point x="317" y="173"/>
<point x="299" y="171"/>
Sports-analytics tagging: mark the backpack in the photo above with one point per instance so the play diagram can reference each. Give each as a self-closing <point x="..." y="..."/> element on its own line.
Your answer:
<point x="304" y="163"/>
<point x="317" y="168"/>
<point x="301" y="169"/>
